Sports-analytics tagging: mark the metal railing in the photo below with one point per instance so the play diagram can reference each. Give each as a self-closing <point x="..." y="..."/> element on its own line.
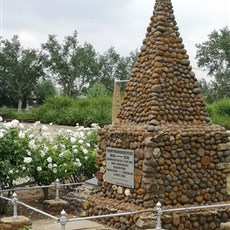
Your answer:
<point x="56" y="184"/>
<point x="160" y="211"/>
<point x="63" y="220"/>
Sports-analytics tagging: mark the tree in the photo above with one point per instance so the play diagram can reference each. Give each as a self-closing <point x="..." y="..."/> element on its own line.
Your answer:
<point x="20" y="69"/>
<point x="214" y="55"/>
<point x="113" y="65"/>
<point x="43" y="90"/>
<point x="74" y="66"/>
<point x="98" y="89"/>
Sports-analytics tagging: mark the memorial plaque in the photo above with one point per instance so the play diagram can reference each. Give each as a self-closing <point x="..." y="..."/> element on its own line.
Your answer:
<point x="120" y="167"/>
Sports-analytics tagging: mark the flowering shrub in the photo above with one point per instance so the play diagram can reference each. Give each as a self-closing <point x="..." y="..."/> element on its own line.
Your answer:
<point x="63" y="157"/>
<point x="34" y="152"/>
<point x="13" y="146"/>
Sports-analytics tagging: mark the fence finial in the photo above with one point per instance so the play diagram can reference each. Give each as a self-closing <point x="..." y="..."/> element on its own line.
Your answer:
<point x="63" y="219"/>
<point x="14" y="201"/>
<point x="159" y="214"/>
<point x="57" y="186"/>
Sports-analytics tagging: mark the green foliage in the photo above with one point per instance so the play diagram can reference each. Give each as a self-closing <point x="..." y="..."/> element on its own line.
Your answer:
<point x="43" y="90"/>
<point x="13" y="147"/>
<point x="74" y="65"/>
<point x="214" y="55"/>
<point x="219" y="112"/>
<point x="20" y="70"/>
<point x="58" y="103"/>
<point x="33" y="152"/>
<point x="98" y="89"/>
<point x="222" y="107"/>
<point x="114" y="66"/>
<point x="67" y="111"/>
<point x="23" y="116"/>
<point x="62" y="157"/>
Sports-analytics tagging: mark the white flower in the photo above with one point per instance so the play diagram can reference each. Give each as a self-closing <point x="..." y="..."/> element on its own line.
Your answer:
<point x="44" y="128"/>
<point x="69" y="131"/>
<point x="75" y="150"/>
<point x="94" y="125"/>
<point x="39" y="169"/>
<point x="72" y="139"/>
<point x="42" y="153"/>
<point x="51" y="123"/>
<point x="86" y="157"/>
<point x="21" y="126"/>
<point x="32" y="145"/>
<point x="21" y="134"/>
<point x="11" y="171"/>
<point x="1" y="134"/>
<point x="80" y="141"/>
<point x="81" y="134"/>
<point x="60" y="132"/>
<point x="46" y="135"/>
<point x="78" y="162"/>
<point x="49" y="159"/>
<point x="54" y="170"/>
<point x="23" y="168"/>
<point x="45" y="149"/>
<point x="14" y="123"/>
<point x="50" y="166"/>
<point x="88" y="145"/>
<point x="62" y="146"/>
<point x="54" y="165"/>
<point x="85" y="151"/>
<point x="55" y="147"/>
<point x="28" y="152"/>
<point x="7" y="125"/>
<point x="61" y="154"/>
<point x="28" y="160"/>
<point x="37" y="123"/>
<point x="1" y="118"/>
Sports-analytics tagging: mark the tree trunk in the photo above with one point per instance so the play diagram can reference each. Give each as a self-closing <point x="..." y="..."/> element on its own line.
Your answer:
<point x="46" y="193"/>
<point x="19" y="104"/>
<point x="3" y="206"/>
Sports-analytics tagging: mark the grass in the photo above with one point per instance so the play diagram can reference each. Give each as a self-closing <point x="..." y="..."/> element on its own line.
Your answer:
<point x="219" y="112"/>
<point x="67" y="111"/>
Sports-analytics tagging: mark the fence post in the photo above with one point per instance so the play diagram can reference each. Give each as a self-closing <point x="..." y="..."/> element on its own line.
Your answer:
<point x="57" y="186"/>
<point x="14" y="201"/>
<point x="63" y="219"/>
<point x="159" y="214"/>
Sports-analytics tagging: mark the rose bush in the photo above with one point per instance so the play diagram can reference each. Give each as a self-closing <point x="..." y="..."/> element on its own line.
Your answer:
<point x="32" y="152"/>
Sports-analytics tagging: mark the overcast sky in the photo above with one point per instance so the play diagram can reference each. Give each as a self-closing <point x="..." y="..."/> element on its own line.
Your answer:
<point x="106" y="23"/>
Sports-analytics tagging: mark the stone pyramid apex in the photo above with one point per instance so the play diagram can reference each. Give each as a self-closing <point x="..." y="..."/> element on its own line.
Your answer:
<point x="162" y="87"/>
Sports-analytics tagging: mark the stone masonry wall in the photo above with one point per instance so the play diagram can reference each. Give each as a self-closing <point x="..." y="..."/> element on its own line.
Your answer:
<point x="175" y="165"/>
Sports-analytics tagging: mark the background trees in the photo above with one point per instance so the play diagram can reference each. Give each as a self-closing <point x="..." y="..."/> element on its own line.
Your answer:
<point x="112" y="65"/>
<point x="20" y="70"/>
<point x="78" y="70"/>
<point x="72" y="68"/>
<point x="214" y="55"/>
<point x="72" y="65"/>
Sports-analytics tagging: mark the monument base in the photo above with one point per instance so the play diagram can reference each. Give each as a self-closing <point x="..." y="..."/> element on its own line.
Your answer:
<point x="56" y="206"/>
<point x="8" y="223"/>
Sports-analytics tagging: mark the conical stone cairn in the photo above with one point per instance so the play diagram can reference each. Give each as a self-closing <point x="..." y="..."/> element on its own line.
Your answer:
<point x="162" y="87"/>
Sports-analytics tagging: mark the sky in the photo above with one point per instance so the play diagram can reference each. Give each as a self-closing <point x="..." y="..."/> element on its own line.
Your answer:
<point x="106" y="23"/>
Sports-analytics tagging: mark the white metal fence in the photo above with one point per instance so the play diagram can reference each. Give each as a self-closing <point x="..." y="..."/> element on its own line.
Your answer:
<point x="63" y="220"/>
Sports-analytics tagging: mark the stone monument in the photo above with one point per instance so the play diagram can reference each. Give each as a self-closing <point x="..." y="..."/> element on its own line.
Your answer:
<point x="163" y="147"/>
